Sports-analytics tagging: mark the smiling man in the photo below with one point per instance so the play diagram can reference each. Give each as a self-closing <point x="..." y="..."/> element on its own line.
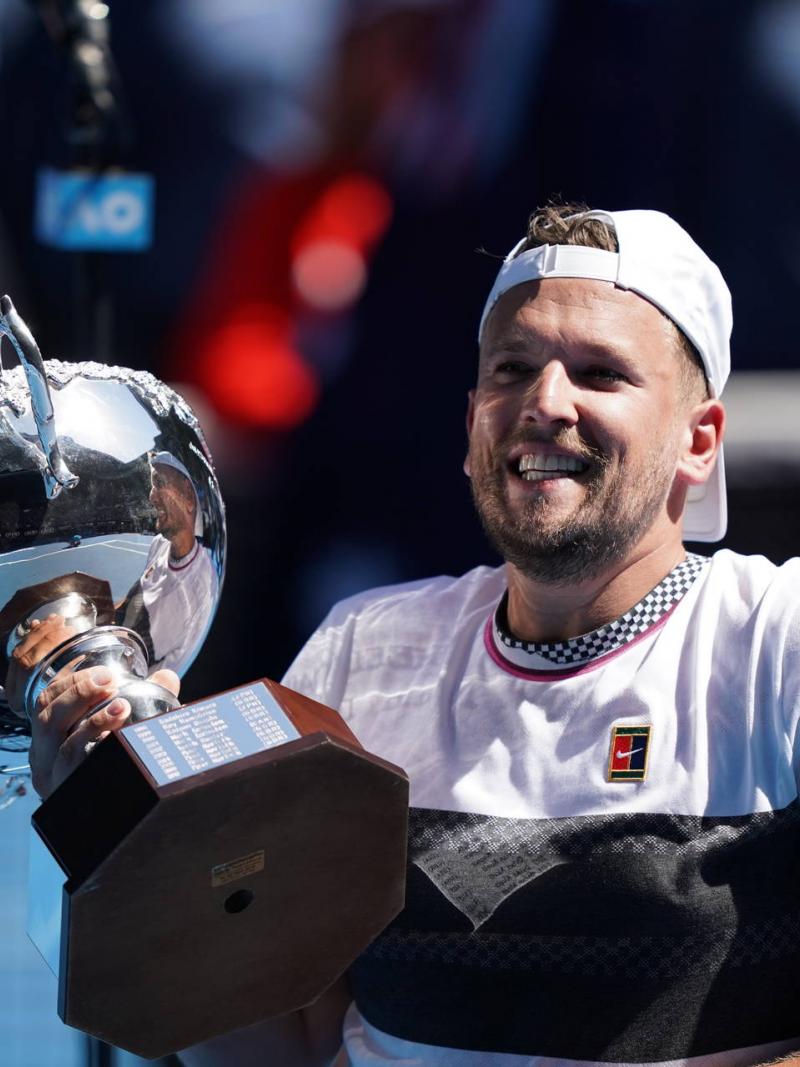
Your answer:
<point x="575" y="427"/>
<point x="600" y="735"/>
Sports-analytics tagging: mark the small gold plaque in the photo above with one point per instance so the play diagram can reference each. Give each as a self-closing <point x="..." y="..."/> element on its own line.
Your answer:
<point x="238" y="868"/>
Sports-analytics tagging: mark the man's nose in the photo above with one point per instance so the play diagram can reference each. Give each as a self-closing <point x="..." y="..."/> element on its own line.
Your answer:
<point x="551" y="396"/>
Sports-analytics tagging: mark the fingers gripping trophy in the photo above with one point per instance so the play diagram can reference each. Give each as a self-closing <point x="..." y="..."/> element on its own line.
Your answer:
<point x="193" y="869"/>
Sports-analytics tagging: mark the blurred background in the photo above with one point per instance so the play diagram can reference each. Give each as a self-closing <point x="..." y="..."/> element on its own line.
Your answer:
<point x="324" y="173"/>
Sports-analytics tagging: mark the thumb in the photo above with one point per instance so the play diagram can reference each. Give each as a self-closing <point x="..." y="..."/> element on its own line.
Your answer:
<point x="168" y="679"/>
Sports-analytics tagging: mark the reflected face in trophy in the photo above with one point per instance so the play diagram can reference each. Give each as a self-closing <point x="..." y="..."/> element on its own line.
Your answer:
<point x="175" y="504"/>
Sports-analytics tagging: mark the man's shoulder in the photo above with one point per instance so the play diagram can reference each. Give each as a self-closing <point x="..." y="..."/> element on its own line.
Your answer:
<point x="744" y="585"/>
<point x="413" y="615"/>
<point x="158" y="551"/>
<point x="202" y="560"/>
<point x="748" y="574"/>
<point x="442" y="594"/>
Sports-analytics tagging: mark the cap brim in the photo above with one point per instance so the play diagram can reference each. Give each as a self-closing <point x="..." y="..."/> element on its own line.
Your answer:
<point x="706" y="515"/>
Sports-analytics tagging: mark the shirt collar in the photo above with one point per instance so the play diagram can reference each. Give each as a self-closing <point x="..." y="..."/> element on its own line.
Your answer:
<point x="576" y="652"/>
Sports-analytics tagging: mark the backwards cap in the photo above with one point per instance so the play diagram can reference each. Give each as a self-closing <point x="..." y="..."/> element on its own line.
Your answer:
<point x="658" y="260"/>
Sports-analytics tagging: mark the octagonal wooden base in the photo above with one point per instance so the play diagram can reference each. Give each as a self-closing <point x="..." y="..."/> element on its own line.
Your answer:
<point x="239" y="893"/>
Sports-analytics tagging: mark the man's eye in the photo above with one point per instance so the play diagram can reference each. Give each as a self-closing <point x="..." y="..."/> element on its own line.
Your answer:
<point x="512" y="366"/>
<point x="605" y="374"/>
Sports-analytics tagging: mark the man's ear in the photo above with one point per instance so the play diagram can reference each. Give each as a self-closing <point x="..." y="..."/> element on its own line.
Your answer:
<point x="705" y="430"/>
<point x="470" y="421"/>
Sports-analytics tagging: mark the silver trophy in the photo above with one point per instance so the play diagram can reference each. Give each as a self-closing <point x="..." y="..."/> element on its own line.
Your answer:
<point x="110" y="517"/>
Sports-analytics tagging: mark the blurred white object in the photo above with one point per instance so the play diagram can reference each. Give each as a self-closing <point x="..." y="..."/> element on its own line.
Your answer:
<point x="762" y="442"/>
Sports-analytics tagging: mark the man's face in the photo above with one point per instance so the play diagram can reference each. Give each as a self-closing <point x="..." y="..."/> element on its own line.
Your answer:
<point x="173" y="500"/>
<point x="575" y="426"/>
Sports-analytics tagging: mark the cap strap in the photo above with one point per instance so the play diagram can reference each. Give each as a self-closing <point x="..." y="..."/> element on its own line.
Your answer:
<point x="551" y="261"/>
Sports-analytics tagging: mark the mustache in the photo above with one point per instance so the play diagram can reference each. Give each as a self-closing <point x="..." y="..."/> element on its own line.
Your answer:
<point x="569" y="440"/>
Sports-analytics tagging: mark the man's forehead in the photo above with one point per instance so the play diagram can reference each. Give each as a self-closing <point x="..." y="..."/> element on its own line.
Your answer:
<point x="168" y="474"/>
<point x="595" y="312"/>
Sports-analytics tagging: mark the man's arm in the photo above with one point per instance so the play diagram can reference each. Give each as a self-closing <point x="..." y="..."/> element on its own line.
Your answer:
<point x="307" y="1038"/>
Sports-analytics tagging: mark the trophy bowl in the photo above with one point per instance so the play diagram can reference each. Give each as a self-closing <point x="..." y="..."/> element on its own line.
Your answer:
<point x="110" y="517"/>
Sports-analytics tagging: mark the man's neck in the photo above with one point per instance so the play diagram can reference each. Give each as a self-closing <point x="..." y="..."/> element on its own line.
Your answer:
<point x="181" y="544"/>
<point x="540" y="611"/>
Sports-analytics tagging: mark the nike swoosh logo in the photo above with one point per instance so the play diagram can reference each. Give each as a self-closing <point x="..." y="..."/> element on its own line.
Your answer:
<point x="633" y="751"/>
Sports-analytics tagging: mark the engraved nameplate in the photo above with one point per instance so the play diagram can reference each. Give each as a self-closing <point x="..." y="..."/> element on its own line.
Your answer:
<point x="191" y="740"/>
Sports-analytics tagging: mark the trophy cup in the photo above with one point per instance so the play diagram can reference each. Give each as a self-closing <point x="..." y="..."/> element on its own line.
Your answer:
<point x="207" y="866"/>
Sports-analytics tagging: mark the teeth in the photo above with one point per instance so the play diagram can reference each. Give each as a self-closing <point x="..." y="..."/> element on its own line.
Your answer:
<point x="532" y="465"/>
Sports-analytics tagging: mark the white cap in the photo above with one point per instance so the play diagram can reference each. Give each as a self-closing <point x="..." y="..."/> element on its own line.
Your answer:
<point x="658" y="260"/>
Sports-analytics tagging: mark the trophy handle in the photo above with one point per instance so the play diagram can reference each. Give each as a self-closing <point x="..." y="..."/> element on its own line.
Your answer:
<point x="57" y="476"/>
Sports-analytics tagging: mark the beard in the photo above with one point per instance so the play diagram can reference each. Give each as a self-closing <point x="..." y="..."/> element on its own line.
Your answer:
<point x="166" y="526"/>
<point x="617" y="509"/>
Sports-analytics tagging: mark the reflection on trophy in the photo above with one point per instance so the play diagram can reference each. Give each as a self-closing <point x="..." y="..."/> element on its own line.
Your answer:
<point x="95" y="470"/>
<point x="176" y="596"/>
<point x="207" y="866"/>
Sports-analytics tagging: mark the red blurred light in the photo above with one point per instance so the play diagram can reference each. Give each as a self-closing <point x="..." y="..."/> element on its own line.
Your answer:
<point x="252" y="373"/>
<point x="329" y="275"/>
<point x="354" y="210"/>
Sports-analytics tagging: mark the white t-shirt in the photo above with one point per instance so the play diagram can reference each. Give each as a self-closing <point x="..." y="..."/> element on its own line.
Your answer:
<point x="180" y="597"/>
<point x="559" y="913"/>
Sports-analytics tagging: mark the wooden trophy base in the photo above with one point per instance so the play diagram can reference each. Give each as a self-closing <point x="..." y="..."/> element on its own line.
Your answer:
<point x="199" y="901"/>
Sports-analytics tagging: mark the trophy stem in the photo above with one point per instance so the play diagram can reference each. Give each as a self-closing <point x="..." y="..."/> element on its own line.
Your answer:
<point x="118" y="649"/>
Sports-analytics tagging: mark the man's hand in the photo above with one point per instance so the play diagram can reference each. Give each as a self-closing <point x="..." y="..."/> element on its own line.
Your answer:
<point x="44" y="636"/>
<point x="62" y="726"/>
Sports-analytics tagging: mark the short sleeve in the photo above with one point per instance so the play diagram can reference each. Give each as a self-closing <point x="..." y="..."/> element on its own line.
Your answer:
<point x="322" y="667"/>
